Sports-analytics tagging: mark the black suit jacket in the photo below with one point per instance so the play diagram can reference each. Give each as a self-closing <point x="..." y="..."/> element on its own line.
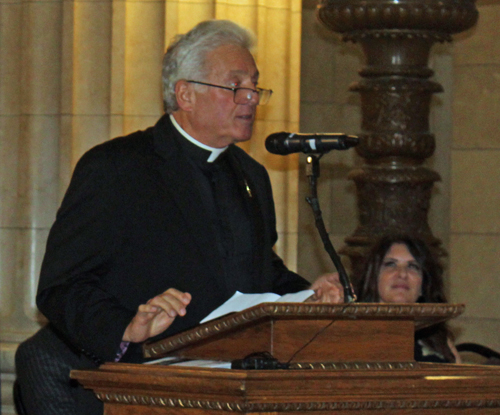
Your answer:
<point x="133" y="224"/>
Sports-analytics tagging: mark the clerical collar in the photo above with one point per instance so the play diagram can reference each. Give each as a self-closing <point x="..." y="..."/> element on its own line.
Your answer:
<point x="214" y="152"/>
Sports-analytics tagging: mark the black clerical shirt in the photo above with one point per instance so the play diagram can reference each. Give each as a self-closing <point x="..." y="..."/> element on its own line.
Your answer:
<point x="230" y="217"/>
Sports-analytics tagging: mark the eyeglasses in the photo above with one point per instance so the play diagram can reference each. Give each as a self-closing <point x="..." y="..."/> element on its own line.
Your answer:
<point x="243" y="96"/>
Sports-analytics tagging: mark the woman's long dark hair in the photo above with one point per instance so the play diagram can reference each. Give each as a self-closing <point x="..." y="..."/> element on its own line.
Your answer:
<point x="436" y="337"/>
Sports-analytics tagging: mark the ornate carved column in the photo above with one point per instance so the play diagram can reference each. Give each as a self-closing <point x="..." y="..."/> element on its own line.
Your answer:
<point x="393" y="186"/>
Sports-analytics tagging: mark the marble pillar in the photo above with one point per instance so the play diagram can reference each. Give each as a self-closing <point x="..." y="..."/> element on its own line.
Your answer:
<point x="394" y="186"/>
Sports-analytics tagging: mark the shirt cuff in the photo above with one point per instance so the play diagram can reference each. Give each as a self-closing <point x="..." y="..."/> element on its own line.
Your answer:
<point x="123" y="348"/>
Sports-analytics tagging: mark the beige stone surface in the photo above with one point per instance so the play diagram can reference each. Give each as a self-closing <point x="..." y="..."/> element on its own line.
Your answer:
<point x="331" y="72"/>
<point x="475" y="265"/>
<point x="88" y="131"/>
<point x="133" y="123"/>
<point x="41" y="58"/>
<point x="117" y="60"/>
<point x="37" y="162"/>
<point x="21" y="253"/>
<point x="474" y="176"/>
<point x="483" y="331"/>
<point x="30" y="248"/>
<point x="330" y="117"/>
<point x="143" y="56"/>
<point x="475" y="195"/>
<point x="67" y="58"/>
<point x="310" y="245"/>
<point x="441" y="121"/>
<point x="8" y="302"/>
<point x="91" y="58"/>
<point x="287" y="248"/>
<point x="479" y="45"/>
<point x="319" y="85"/>
<point x="10" y="57"/>
<point x="10" y="128"/>
<point x="188" y="13"/>
<point x="476" y="107"/>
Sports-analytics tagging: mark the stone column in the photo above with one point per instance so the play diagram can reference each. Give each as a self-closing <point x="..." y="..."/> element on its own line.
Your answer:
<point x="30" y="52"/>
<point x="394" y="186"/>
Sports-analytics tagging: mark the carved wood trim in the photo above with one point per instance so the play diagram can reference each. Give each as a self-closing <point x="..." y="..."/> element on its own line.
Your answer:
<point x="296" y="406"/>
<point x="423" y="314"/>
<point x="364" y="366"/>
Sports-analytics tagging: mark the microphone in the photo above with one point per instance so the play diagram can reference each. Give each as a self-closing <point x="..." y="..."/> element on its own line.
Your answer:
<point x="287" y="143"/>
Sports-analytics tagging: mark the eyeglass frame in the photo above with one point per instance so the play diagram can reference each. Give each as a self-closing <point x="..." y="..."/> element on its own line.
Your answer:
<point x="258" y="91"/>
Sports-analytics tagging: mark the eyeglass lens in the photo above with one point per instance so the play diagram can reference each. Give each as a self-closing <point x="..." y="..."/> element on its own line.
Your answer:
<point x="245" y="95"/>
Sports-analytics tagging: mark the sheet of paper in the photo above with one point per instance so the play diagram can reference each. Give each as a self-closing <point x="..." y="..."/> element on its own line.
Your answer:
<point x="178" y="361"/>
<point x="240" y="302"/>
<point x="163" y="361"/>
<point x="204" y="363"/>
<point x="299" y="297"/>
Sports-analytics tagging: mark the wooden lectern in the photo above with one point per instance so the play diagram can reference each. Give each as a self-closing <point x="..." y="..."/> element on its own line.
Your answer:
<point x="346" y="358"/>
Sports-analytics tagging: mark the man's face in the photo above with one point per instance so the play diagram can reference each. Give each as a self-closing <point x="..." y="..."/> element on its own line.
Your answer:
<point x="215" y="119"/>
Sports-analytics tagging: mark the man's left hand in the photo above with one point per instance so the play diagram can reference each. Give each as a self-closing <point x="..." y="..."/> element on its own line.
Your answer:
<point x="328" y="288"/>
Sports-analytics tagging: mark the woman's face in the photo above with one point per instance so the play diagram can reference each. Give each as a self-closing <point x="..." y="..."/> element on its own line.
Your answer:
<point x="400" y="276"/>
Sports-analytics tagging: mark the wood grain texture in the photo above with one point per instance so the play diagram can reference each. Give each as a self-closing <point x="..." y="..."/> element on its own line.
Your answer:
<point x="322" y="332"/>
<point x="423" y="388"/>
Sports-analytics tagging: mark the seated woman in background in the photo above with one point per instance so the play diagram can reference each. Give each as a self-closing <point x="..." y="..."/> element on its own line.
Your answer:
<point x="401" y="269"/>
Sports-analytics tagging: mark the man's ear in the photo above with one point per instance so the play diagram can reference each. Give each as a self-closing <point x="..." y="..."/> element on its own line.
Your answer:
<point x="185" y="95"/>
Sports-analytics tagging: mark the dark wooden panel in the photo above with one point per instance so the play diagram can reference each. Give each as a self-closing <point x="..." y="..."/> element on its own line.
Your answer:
<point x="422" y="388"/>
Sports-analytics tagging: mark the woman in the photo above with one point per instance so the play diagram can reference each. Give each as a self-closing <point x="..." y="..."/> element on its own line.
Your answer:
<point x="400" y="269"/>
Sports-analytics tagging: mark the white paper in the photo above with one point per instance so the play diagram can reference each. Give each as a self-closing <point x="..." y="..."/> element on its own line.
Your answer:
<point x="177" y="361"/>
<point x="299" y="297"/>
<point x="240" y="302"/>
<point x="163" y="361"/>
<point x="204" y="363"/>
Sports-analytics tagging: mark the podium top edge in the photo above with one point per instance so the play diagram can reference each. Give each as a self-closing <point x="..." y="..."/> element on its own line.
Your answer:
<point x="422" y="314"/>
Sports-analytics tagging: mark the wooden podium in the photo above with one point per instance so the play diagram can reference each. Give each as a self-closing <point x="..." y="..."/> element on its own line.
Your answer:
<point x="349" y="358"/>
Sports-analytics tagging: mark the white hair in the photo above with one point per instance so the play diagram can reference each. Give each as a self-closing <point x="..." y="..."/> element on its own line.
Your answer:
<point x="186" y="55"/>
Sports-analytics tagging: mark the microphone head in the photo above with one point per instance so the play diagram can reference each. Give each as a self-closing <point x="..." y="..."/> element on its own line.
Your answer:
<point x="275" y="143"/>
<point x="351" y="141"/>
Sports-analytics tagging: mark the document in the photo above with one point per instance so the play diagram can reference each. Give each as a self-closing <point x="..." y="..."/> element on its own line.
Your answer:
<point x="240" y="302"/>
<point x="178" y="361"/>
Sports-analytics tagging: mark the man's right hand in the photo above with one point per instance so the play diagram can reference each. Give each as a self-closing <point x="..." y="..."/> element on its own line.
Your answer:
<point x="156" y="315"/>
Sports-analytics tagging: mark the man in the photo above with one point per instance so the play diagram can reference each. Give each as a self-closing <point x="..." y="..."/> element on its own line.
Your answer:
<point x="160" y="227"/>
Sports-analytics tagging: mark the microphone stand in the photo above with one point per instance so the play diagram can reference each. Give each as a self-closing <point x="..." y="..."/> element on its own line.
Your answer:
<point x="312" y="172"/>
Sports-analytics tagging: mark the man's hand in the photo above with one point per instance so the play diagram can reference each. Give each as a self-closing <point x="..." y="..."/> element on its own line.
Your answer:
<point x="328" y="289"/>
<point x="156" y="315"/>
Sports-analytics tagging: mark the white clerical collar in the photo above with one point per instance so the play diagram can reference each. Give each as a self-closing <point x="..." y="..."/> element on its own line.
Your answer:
<point x="214" y="152"/>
